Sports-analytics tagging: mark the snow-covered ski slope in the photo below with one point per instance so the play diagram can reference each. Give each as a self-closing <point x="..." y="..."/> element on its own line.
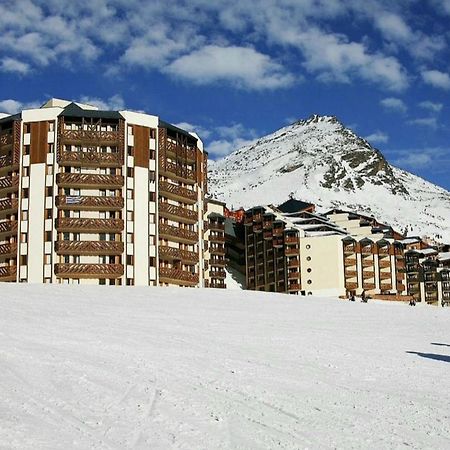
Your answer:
<point x="155" y="368"/>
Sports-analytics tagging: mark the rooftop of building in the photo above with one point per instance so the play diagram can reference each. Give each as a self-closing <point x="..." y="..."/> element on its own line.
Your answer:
<point x="292" y="206"/>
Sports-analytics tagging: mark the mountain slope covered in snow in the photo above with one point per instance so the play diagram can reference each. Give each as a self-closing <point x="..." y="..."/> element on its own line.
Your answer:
<point x="321" y="161"/>
<point x="99" y="367"/>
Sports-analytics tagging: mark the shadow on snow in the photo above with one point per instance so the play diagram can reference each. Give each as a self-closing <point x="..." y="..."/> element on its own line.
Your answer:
<point x="444" y="358"/>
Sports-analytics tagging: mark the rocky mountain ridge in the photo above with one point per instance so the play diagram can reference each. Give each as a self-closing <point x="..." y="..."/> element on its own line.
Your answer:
<point x="321" y="161"/>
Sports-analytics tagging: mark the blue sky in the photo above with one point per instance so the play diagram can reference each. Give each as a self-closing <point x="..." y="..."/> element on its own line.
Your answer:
<point x="235" y="71"/>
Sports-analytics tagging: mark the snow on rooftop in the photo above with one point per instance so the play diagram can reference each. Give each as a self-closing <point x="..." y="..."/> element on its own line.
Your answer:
<point x="444" y="256"/>
<point x="167" y="368"/>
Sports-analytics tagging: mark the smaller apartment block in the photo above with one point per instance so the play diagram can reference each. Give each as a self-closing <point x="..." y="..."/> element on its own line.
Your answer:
<point x="339" y="253"/>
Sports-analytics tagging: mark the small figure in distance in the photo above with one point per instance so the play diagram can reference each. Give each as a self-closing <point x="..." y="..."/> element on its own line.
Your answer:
<point x="363" y="296"/>
<point x="412" y="302"/>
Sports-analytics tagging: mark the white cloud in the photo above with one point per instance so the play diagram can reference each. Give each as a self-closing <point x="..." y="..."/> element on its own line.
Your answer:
<point x="14" y="66"/>
<point x="11" y="106"/>
<point x="430" y="122"/>
<point x="436" y="78"/>
<point x="431" y="106"/>
<point x="378" y="137"/>
<point x="243" y="67"/>
<point x="202" y="132"/>
<point x="114" y="103"/>
<point x="434" y="158"/>
<point x="394" y="104"/>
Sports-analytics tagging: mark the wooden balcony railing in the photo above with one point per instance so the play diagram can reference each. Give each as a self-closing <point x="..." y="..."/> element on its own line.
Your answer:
<point x="177" y="234"/>
<point x="294" y="287"/>
<point x="6" y="139"/>
<point x="8" y="205"/>
<point x="278" y="232"/>
<point x="8" y="250"/>
<point x="89" y="248"/>
<point x="291" y="251"/>
<point x="176" y="171"/>
<point x="177" y="276"/>
<point x="368" y="273"/>
<point x="8" y="184"/>
<point x="89" y="225"/>
<point x="176" y="254"/>
<point x="292" y="275"/>
<point x="385" y="275"/>
<point x="84" y="180"/>
<point x="6" y="162"/>
<point x="349" y="249"/>
<point x="367" y="262"/>
<point x="217" y="284"/>
<point x="384" y="263"/>
<point x="86" y="203"/>
<point x="8" y="227"/>
<point x="219" y="262"/>
<point x="216" y="226"/>
<point x="177" y="213"/>
<point x="183" y="153"/>
<point x="96" y="137"/>
<point x="349" y="261"/>
<point x="175" y="192"/>
<point x="217" y="274"/>
<point x="383" y="251"/>
<point x="217" y="249"/>
<point x="8" y="273"/>
<point x="351" y="273"/>
<point x="291" y="240"/>
<point x="90" y="159"/>
<point x="68" y="270"/>
<point x="216" y="238"/>
<point x="368" y="285"/>
<point x="294" y="263"/>
<point x="351" y="285"/>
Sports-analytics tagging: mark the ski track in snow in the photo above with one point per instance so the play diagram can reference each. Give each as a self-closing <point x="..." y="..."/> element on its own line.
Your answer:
<point x="162" y="368"/>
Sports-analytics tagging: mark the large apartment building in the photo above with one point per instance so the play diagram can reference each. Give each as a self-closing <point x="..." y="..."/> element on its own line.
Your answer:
<point x="100" y="197"/>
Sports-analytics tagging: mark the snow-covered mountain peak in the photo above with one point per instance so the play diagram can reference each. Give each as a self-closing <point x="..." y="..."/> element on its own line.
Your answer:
<point x="321" y="161"/>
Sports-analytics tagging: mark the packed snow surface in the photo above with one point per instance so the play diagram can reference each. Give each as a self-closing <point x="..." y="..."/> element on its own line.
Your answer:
<point x="162" y="368"/>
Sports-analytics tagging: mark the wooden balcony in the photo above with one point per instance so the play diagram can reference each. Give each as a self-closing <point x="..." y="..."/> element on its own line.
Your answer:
<point x="385" y="286"/>
<point x="177" y="193"/>
<point x="89" y="203"/>
<point x="384" y="263"/>
<point x="351" y="273"/>
<point x="216" y="226"/>
<point x="217" y="274"/>
<point x="349" y="262"/>
<point x="288" y="240"/>
<point x="90" y="159"/>
<point x="89" y="181"/>
<point x="8" y="273"/>
<point x="351" y="285"/>
<point x="176" y="254"/>
<point x="176" y="171"/>
<point x="88" y="248"/>
<point x="294" y="263"/>
<point x="367" y="262"/>
<point x="177" y="276"/>
<point x="177" y="213"/>
<point x="90" y="137"/>
<point x="6" y="139"/>
<point x="368" y="273"/>
<point x="78" y="225"/>
<point x="291" y="251"/>
<point x="7" y="164"/>
<point x="257" y="228"/>
<point x="385" y="275"/>
<point x="68" y="270"/>
<point x="216" y="238"/>
<point x="294" y="287"/>
<point x="383" y="251"/>
<point x="217" y="250"/>
<point x="368" y="285"/>
<point x="8" y="228"/>
<point x="177" y="234"/>
<point x="219" y="262"/>
<point x="183" y="153"/>
<point x="267" y="235"/>
<point x="366" y="250"/>
<point x="349" y="249"/>
<point x="278" y="232"/>
<point x="400" y="287"/>
<point x="8" y="206"/>
<point x="217" y="284"/>
<point x="8" y="185"/>
<point x="293" y="275"/>
<point x="8" y="250"/>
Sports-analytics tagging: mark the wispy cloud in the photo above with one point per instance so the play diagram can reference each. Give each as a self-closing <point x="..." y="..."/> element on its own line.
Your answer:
<point x="433" y="158"/>
<point x="378" y="137"/>
<point x="431" y="106"/>
<point x="436" y="79"/>
<point x="14" y="66"/>
<point x="429" y="122"/>
<point x="113" y="103"/>
<point x="394" y="104"/>
<point x="10" y="106"/>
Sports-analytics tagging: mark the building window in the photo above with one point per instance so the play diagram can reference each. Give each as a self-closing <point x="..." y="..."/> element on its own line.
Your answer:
<point x="25" y="171"/>
<point x="309" y="281"/>
<point x="50" y="148"/>
<point x="48" y="214"/>
<point x="48" y="236"/>
<point x="130" y="238"/>
<point x="24" y="215"/>
<point x="308" y="258"/>
<point x="309" y="270"/>
<point x="23" y="238"/>
<point x="49" y="170"/>
<point x="130" y="172"/>
<point x="130" y="260"/>
<point x="23" y="260"/>
<point x="308" y="246"/>
<point x="152" y="196"/>
<point x="49" y="191"/>
<point x="26" y="127"/>
<point x="25" y="192"/>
